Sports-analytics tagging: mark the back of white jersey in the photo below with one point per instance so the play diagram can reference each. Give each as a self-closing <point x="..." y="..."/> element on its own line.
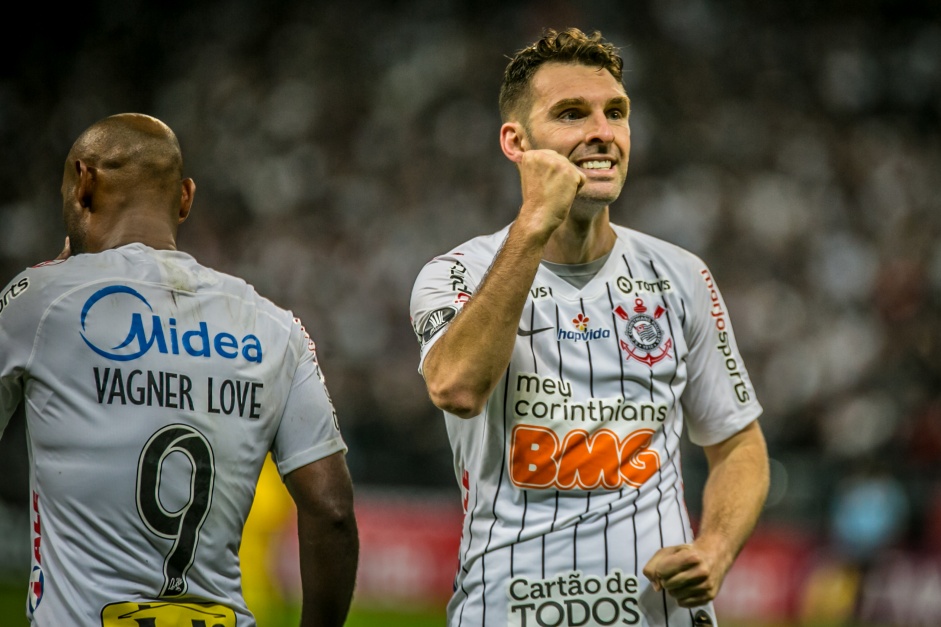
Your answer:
<point x="571" y="475"/>
<point x="154" y="388"/>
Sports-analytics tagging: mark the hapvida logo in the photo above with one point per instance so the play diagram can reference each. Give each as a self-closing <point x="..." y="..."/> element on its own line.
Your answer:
<point x="148" y="331"/>
<point x="582" y="332"/>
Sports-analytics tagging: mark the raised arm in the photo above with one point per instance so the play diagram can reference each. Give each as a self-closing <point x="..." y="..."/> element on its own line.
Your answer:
<point x="329" y="544"/>
<point x="463" y="367"/>
<point x="734" y="495"/>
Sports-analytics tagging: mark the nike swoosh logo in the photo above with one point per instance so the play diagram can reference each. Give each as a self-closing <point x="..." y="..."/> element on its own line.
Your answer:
<point x="523" y="333"/>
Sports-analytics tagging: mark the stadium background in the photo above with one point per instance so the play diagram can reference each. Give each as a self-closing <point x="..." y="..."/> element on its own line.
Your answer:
<point x="337" y="146"/>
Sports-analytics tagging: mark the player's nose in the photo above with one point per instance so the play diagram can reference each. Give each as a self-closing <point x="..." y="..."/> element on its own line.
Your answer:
<point x="599" y="129"/>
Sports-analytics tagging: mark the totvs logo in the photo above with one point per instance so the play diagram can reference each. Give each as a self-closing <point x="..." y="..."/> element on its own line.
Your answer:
<point x="165" y="336"/>
<point x="581" y="460"/>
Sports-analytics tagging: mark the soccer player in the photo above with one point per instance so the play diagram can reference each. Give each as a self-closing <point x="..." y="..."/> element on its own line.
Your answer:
<point x="568" y="353"/>
<point x="154" y="389"/>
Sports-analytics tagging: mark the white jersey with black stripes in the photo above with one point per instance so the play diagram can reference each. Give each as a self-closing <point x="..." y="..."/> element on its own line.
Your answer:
<point x="154" y="387"/>
<point x="571" y="474"/>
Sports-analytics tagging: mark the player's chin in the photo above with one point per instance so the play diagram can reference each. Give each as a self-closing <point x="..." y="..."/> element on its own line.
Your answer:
<point x="605" y="190"/>
<point x="597" y="195"/>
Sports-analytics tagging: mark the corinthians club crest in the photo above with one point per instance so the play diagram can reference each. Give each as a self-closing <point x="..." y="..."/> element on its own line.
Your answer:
<point x="645" y="334"/>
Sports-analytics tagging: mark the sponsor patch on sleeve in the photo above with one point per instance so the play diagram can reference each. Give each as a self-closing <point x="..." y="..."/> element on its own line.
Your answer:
<point x="436" y="320"/>
<point x="12" y="291"/>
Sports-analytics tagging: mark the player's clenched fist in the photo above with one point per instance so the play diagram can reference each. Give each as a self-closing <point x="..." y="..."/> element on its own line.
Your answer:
<point x="549" y="184"/>
<point x="687" y="573"/>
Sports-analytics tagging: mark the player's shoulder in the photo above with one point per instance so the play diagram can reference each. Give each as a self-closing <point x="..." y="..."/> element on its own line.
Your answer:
<point x="215" y="283"/>
<point x="655" y="247"/>
<point x="30" y="291"/>
<point x="477" y="250"/>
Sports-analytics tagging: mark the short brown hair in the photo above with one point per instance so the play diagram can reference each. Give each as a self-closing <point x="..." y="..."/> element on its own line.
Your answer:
<point x="569" y="46"/>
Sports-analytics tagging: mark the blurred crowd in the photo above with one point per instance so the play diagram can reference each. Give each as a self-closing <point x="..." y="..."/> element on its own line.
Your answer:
<point x="337" y="147"/>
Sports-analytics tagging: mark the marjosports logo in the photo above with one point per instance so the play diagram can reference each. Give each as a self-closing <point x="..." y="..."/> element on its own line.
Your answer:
<point x="15" y="290"/>
<point x="103" y="333"/>
<point x="582" y="333"/>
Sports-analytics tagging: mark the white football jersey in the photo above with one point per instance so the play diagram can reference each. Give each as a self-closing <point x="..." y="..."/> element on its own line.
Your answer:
<point x="571" y="476"/>
<point x="154" y="388"/>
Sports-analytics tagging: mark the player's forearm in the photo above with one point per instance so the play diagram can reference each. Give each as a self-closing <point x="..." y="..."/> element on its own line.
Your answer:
<point x="329" y="553"/>
<point x="465" y="364"/>
<point x="327" y="537"/>
<point x="734" y="494"/>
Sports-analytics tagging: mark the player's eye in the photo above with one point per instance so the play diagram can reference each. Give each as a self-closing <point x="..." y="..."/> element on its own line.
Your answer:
<point x="570" y="114"/>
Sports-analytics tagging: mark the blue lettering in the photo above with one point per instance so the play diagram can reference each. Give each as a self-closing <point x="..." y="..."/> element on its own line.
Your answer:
<point x="224" y="343"/>
<point x="203" y="336"/>
<point x="251" y="350"/>
<point x="583" y="336"/>
<point x="197" y="342"/>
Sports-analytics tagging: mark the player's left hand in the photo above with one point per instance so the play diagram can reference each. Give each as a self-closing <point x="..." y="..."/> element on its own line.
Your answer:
<point x="688" y="573"/>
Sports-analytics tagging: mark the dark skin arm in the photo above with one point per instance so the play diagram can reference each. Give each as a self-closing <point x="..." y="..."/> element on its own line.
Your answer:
<point x="329" y="544"/>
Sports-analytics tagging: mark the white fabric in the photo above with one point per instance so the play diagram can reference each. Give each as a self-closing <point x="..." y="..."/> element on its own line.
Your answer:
<point x="571" y="475"/>
<point x="154" y="387"/>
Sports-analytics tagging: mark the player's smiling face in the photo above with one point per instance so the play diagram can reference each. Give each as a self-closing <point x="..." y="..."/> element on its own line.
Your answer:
<point x="581" y="112"/>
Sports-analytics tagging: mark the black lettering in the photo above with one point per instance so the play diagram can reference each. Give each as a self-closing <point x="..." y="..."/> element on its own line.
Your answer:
<point x="101" y="383"/>
<point x="170" y="398"/>
<point x="613" y="609"/>
<point x="241" y="396"/>
<point x="210" y="408"/>
<point x="632" y="617"/>
<point x="185" y="386"/>
<point x="154" y="388"/>
<point x="140" y="398"/>
<point x="573" y="621"/>
<point x="540" y="614"/>
<point x="117" y="388"/>
<point x="522" y="611"/>
<point x="227" y="407"/>
<point x="513" y="590"/>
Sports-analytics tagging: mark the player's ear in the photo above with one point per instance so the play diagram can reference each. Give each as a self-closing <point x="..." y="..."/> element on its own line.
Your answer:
<point x="186" y="198"/>
<point x="86" y="181"/>
<point x="513" y="141"/>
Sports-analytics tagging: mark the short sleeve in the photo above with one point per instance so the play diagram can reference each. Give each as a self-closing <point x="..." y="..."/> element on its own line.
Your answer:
<point x="309" y="429"/>
<point x="719" y="399"/>
<point x="19" y="316"/>
<point x="442" y="288"/>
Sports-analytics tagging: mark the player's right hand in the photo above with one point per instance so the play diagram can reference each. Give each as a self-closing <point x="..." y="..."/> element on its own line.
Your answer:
<point x="549" y="183"/>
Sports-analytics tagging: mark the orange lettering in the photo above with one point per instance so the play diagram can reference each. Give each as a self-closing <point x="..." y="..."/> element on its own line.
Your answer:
<point x="582" y="460"/>
<point x="638" y="462"/>
<point x="533" y="457"/>
<point x="589" y="460"/>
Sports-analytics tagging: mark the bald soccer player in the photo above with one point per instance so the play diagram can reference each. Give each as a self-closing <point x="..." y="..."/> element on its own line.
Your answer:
<point x="154" y="388"/>
<point x="568" y="354"/>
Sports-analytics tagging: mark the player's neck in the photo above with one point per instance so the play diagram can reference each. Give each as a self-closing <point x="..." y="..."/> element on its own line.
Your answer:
<point x="154" y="233"/>
<point x="581" y="241"/>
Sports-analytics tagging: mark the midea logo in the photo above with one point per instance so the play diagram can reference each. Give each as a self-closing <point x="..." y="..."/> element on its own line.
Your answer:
<point x="165" y="337"/>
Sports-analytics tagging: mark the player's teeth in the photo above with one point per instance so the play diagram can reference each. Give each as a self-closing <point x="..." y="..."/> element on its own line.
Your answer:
<point x="596" y="165"/>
